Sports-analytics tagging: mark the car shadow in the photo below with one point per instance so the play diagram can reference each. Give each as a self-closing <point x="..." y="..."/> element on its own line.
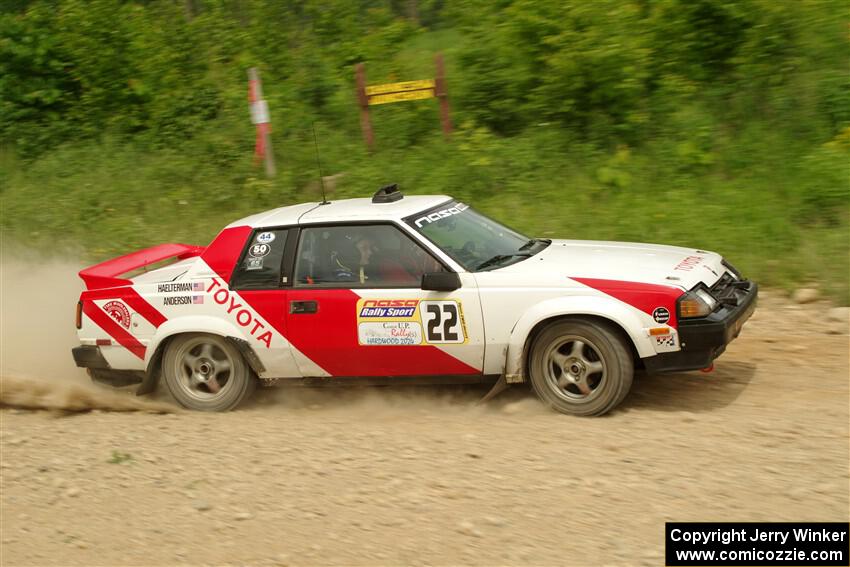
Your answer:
<point x="690" y="391"/>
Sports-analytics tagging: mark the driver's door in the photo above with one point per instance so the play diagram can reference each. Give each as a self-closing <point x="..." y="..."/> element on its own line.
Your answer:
<point x="356" y="307"/>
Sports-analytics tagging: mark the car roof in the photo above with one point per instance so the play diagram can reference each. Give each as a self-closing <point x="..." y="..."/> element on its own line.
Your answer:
<point x="342" y="210"/>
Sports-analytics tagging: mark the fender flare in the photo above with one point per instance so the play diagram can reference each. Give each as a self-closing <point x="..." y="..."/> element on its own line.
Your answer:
<point x="620" y="314"/>
<point x="193" y="324"/>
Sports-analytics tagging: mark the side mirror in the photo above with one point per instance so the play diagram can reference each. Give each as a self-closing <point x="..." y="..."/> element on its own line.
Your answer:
<point x="440" y="281"/>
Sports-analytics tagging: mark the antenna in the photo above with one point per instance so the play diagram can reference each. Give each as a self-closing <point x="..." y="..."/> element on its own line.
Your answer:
<point x="319" y="165"/>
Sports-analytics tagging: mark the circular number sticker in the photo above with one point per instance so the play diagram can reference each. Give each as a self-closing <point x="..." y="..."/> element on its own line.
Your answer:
<point x="265" y="237"/>
<point x="259" y="250"/>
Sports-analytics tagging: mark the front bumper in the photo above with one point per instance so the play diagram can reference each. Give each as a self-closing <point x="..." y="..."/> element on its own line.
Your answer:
<point x="704" y="339"/>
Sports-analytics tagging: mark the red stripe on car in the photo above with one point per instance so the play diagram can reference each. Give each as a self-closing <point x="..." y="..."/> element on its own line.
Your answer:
<point x="643" y="296"/>
<point x="145" y="309"/>
<point x="113" y="329"/>
<point x="223" y="253"/>
<point x="132" y="298"/>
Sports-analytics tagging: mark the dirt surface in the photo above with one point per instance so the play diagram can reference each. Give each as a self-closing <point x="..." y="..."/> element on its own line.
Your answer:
<point x="421" y="476"/>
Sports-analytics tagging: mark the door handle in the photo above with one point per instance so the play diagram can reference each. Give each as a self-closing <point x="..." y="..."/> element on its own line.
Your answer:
<point x="296" y="307"/>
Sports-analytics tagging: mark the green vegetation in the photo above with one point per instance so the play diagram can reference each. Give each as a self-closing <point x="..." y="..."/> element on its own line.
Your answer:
<point x="717" y="124"/>
<point x="119" y="457"/>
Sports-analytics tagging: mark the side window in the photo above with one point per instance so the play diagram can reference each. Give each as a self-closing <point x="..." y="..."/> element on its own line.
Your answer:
<point x="261" y="263"/>
<point x="361" y="256"/>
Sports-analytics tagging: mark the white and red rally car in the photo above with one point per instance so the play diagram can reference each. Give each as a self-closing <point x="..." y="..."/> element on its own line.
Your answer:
<point x="396" y="289"/>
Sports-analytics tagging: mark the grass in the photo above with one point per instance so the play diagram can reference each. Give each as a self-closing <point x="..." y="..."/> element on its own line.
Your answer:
<point x="119" y="457"/>
<point x="754" y="204"/>
<point x="108" y="198"/>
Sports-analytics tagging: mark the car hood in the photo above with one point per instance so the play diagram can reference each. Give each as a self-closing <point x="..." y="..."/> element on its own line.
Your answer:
<point x="625" y="261"/>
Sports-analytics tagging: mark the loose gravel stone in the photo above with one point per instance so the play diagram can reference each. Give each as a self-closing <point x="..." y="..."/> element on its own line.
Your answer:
<point x="805" y="295"/>
<point x="469" y="529"/>
<point x="839" y="314"/>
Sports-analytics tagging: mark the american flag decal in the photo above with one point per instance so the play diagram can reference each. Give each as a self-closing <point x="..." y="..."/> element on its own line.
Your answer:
<point x="196" y="299"/>
<point x="198" y="286"/>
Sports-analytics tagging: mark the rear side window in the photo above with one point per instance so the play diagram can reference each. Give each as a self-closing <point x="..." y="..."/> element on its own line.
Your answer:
<point x="260" y="266"/>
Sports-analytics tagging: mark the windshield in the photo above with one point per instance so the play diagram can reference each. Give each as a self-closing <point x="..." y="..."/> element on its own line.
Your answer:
<point x="473" y="240"/>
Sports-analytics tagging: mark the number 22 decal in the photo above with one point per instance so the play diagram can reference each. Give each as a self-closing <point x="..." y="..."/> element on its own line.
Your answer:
<point x="443" y="322"/>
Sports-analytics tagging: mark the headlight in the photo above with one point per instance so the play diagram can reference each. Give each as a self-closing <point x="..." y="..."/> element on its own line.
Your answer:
<point x="697" y="303"/>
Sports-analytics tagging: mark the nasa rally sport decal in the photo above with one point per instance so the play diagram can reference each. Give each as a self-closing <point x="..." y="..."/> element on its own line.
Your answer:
<point x="661" y="315"/>
<point x="399" y="322"/>
<point x="259" y="250"/>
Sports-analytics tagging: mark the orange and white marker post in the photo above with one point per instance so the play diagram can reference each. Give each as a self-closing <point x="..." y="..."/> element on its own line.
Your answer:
<point x="260" y="117"/>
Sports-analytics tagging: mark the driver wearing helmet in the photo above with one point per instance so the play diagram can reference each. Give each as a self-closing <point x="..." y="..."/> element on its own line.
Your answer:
<point x="363" y="263"/>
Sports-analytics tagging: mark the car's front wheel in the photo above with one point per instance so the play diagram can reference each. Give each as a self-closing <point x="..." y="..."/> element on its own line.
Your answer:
<point x="206" y="372"/>
<point x="580" y="367"/>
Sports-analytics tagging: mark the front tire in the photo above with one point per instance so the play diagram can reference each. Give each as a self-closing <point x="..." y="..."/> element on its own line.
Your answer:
<point x="206" y="373"/>
<point x="580" y="367"/>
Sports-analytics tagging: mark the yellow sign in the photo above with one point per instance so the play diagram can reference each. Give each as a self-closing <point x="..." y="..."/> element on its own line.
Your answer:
<point x="398" y="97"/>
<point x="400" y="87"/>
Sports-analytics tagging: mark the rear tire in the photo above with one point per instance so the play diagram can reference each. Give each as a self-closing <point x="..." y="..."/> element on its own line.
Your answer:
<point x="580" y="367"/>
<point x="206" y="373"/>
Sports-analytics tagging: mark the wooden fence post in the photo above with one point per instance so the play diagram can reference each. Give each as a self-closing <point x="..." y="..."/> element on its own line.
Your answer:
<point x="363" y="101"/>
<point x="441" y="91"/>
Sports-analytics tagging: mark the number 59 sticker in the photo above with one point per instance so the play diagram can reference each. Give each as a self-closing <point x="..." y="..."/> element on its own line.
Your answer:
<point x="443" y="322"/>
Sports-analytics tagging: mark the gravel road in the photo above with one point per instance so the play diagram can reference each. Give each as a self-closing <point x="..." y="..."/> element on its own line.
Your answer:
<point x="423" y="476"/>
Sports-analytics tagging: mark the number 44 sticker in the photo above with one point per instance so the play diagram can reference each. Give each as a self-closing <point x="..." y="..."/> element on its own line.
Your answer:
<point x="443" y="321"/>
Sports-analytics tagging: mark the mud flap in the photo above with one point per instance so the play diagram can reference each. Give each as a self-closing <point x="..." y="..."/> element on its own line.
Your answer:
<point x="149" y="382"/>
<point x="500" y="386"/>
<point x="153" y="373"/>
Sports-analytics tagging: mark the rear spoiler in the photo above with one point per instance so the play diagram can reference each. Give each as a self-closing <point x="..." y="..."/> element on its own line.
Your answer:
<point x="106" y="273"/>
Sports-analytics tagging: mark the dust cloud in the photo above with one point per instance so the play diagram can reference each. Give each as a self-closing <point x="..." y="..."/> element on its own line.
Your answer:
<point x="38" y="298"/>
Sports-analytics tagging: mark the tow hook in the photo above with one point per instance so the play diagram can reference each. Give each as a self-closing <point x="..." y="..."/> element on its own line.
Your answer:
<point x="707" y="369"/>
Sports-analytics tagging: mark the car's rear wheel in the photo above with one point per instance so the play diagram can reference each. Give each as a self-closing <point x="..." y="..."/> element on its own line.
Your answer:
<point x="206" y="372"/>
<point x="580" y="367"/>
